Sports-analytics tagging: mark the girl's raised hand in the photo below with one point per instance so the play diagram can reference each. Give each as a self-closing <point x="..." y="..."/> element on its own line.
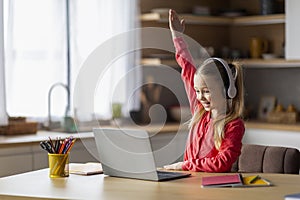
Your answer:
<point x="175" y="23"/>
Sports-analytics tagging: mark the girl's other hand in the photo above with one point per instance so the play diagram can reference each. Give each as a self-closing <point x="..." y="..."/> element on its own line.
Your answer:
<point x="174" y="166"/>
<point x="174" y="23"/>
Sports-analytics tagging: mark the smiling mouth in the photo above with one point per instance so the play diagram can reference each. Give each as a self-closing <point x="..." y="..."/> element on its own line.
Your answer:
<point x="205" y="104"/>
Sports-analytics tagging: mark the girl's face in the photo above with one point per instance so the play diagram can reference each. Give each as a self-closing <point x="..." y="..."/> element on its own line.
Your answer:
<point x="203" y="93"/>
<point x="210" y="93"/>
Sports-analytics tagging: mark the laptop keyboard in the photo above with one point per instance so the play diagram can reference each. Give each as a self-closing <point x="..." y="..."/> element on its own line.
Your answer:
<point x="165" y="174"/>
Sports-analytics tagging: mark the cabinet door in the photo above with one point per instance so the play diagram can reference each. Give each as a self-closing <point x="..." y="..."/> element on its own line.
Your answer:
<point x="15" y="159"/>
<point x="13" y="164"/>
<point x="292" y="29"/>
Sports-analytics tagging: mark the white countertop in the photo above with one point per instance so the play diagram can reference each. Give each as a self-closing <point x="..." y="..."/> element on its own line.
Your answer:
<point x="6" y="140"/>
<point x="40" y="136"/>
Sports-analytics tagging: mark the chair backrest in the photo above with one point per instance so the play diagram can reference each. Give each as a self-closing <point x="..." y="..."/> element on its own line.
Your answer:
<point x="267" y="159"/>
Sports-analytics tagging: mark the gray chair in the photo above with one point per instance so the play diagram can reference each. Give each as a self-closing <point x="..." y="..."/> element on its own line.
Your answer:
<point x="267" y="159"/>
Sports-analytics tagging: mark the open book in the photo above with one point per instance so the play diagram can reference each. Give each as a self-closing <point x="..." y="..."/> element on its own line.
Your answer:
<point x="89" y="168"/>
<point x="234" y="180"/>
<point x="255" y="181"/>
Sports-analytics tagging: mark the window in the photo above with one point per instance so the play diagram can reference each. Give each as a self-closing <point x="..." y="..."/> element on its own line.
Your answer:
<point x="35" y="42"/>
<point x="36" y="47"/>
<point x="3" y="115"/>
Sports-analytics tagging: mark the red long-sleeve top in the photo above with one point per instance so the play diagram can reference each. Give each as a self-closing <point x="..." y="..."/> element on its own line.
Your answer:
<point x="200" y="153"/>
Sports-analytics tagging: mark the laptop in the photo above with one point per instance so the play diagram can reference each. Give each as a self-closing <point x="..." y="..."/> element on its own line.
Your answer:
<point x="127" y="153"/>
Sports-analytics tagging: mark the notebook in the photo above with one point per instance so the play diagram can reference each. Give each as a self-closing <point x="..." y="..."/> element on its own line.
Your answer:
<point x="127" y="153"/>
<point x="89" y="168"/>
<point x="234" y="180"/>
<point x="229" y="180"/>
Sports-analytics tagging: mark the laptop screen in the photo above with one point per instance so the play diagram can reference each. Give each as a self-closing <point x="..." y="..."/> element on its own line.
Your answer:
<point x="125" y="150"/>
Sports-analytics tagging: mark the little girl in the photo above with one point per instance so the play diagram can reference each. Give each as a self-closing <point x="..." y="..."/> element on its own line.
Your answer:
<point x="215" y="93"/>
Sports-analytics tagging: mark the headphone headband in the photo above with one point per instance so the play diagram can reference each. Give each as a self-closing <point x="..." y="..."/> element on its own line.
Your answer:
<point x="231" y="92"/>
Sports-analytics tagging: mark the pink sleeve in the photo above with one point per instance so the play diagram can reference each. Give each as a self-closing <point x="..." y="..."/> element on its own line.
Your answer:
<point x="185" y="61"/>
<point x="229" y="151"/>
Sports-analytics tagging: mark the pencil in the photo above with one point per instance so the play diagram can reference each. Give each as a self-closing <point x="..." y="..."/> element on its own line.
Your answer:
<point x="70" y="146"/>
<point x="62" y="146"/>
<point x="52" y="146"/>
<point x="254" y="179"/>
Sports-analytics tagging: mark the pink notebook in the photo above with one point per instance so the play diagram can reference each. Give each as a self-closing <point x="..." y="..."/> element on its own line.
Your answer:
<point x="229" y="180"/>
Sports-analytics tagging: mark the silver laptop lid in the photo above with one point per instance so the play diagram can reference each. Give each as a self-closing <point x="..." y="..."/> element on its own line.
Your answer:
<point x="125" y="153"/>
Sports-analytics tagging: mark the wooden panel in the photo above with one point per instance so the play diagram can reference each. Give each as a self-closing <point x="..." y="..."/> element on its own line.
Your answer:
<point x="182" y="6"/>
<point x="205" y="35"/>
<point x="240" y="36"/>
<point x="273" y="126"/>
<point x="252" y="8"/>
<point x="215" y="36"/>
<point x="189" y="19"/>
<point x="259" y="20"/>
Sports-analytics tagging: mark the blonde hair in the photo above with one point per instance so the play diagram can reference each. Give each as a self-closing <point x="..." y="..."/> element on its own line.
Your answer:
<point x="234" y="106"/>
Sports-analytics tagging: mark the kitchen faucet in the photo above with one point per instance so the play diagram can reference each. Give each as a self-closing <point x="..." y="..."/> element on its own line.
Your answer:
<point x="49" y="102"/>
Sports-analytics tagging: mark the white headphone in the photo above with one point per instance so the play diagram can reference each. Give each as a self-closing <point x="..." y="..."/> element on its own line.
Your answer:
<point x="231" y="92"/>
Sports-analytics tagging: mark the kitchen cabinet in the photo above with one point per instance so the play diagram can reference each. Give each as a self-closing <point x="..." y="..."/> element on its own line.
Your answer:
<point x="14" y="164"/>
<point x="15" y="160"/>
<point x="233" y="32"/>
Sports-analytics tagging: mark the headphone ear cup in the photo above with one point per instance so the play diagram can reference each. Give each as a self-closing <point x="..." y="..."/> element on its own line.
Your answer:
<point x="231" y="92"/>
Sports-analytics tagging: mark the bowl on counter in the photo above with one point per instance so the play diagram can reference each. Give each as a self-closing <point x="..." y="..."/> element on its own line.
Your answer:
<point x="267" y="56"/>
<point x="161" y="11"/>
<point x="180" y="113"/>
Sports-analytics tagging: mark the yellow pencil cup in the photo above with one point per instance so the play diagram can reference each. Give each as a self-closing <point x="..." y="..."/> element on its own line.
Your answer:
<point x="58" y="165"/>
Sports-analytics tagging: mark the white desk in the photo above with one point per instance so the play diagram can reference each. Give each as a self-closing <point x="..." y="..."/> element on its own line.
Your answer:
<point x="37" y="185"/>
<point x="22" y="153"/>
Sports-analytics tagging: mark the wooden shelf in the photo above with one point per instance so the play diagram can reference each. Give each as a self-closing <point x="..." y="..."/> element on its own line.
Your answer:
<point x="189" y="19"/>
<point x="213" y="20"/>
<point x="247" y="63"/>
<point x="158" y="61"/>
<point x="270" y="63"/>
<point x="259" y="20"/>
<point x="272" y="126"/>
<point x="246" y="21"/>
